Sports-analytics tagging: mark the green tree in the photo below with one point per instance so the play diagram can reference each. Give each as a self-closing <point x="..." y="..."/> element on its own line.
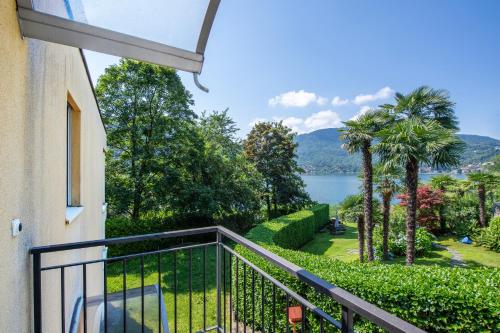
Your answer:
<point x="387" y="183"/>
<point x="424" y="131"/>
<point x="483" y="182"/>
<point x="271" y="147"/>
<point x="147" y="112"/>
<point x="234" y="183"/>
<point x="352" y="209"/>
<point x="357" y="136"/>
<point x="442" y="182"/>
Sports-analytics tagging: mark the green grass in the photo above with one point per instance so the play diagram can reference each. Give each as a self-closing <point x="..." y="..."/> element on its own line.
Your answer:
<point x="344" y="247"/>
<point x="472" y="255"/>
<point x="133" y="280"/>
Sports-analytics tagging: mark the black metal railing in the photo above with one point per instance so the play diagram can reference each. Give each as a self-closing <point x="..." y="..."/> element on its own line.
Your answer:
<point x="189" y="274"/>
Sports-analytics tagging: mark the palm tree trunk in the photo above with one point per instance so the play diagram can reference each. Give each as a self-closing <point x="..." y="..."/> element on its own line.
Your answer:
<point x="368" y="197"/>
<point x="411" y="209"/>
<point x="361" y="238"/>
<point x="386" y="198"/>
<point x="481" y="193"/>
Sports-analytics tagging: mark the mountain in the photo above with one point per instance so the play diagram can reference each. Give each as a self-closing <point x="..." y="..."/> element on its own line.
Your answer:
<point x="320" y="152"/>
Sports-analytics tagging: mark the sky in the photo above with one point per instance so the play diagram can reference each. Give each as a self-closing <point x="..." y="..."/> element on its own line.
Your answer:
<point x="314" y="64"/>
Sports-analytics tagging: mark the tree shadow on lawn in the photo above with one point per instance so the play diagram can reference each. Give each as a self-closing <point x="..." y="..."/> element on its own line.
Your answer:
<point x="324" y="243"/>
<point x="435" y="257"/>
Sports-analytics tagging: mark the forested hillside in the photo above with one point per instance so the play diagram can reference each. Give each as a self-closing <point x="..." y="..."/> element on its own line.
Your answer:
<point x="320" y="152"/>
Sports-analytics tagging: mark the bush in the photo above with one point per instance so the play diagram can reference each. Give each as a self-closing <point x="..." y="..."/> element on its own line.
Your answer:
<point x="490" y="236"/>
<point x="436" y="299"/>
<point x="321" y="215"/>
<point x="293" y="230"/>
<point x="461" y="214"/>
<point x="423" y="243"/>
<point x="122" y="227"/>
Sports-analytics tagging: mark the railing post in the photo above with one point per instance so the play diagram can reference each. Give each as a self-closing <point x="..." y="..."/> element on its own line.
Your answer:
<point x="218" y="280"/>
<point x="347" y="320"/>
<point x="37" y="293"/>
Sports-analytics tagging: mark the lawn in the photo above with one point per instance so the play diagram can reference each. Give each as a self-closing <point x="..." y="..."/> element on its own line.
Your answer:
<point x="344" y="247"/>
<point x="133" y="280"/>
<point x="472" y="255"/>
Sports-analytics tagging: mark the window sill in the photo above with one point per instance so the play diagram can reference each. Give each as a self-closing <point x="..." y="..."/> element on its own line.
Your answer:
<point x="72" y="213"/>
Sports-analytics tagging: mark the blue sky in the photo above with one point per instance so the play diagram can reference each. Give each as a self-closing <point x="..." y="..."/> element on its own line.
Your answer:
<point x="314" y="64"/>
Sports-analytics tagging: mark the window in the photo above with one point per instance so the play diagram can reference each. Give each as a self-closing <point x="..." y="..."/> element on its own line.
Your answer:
<point x="72" y="154"/>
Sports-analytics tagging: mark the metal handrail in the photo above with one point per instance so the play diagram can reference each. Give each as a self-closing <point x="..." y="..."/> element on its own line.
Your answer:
<point x="350" y="303"/>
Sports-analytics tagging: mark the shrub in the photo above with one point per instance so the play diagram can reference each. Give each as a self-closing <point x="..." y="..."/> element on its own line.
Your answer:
<point x="423" y="243"/>
<point x="122" y="227"/>
<point x="321" y="215"/>
<point x="291" y="231"/>
<point x="436" y="299"/>
<point x="490" y="236"/>
<point x="461" y="214"/>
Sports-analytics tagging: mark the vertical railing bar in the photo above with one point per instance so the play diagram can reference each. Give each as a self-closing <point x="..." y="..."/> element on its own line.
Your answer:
<point x="262" y="285"/>
<point x="253" y="300"/>
<point x="321" y="324"/>
<point x="142" y="294"/>
<point x="236" y="316"/>
<point x="84" y="270"/>
<point x="230" y="292"/>
<point x="37" y="293"/>
<point x="63" y="310"/>
<point x="224" y="284"/>
<point x="347" y="320"/>
<point x="303" y="318"/>
<point x="274" y="308"/>
<point x="190" y="290"/>
<point x="105" y="296"/>
<point x="244" y="297"/>
<point x="204" y="288"/>
<point x="158" y="268"/>
<point x="287" y="313"/>
<point x="175" y="290"/>
<point x="124" y="268"/>
<point x="218" y="280"/>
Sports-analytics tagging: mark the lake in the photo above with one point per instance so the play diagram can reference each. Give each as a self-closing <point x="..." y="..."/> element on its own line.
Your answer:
<point x="334" y="188"/>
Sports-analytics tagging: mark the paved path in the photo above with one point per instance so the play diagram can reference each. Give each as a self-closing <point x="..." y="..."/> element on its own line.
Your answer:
<point x="456" y="258"/>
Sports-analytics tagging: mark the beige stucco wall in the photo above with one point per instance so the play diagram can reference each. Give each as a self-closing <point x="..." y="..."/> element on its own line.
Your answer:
<point x="35" y="78"/>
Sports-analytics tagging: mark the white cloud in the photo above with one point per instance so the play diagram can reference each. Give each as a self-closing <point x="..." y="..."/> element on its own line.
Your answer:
<point x="339" y="101"/>
<point x="322" y="119"/>
<point x="294" y="123"/>
<point x="297" y="99"/>
<point x="321" y="100"/>
<point x="383" y="93"/>
<point x="255" y="121"/>
<point x="364" y="109"/>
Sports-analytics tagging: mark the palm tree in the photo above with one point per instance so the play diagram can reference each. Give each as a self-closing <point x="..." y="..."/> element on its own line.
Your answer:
<point x="442" y="183"/>
<point x="386" y="184"/>
<point x="351" y="209"/>
<point x="357" y="137"/>
<point x="424" y="131"/>
<point x="483" y="182"/>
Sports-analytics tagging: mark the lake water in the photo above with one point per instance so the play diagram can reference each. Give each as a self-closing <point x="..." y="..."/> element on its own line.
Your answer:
<point x="334" y="188"/>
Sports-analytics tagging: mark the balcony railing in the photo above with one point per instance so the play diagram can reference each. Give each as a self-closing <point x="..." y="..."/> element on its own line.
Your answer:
<point x="238" y="282"/>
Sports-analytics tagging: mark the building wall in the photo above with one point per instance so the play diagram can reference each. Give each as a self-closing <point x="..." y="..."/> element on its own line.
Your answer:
<point x="35" y="79"/>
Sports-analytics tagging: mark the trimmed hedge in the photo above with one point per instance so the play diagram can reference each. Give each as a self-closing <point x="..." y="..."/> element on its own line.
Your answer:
<point x="436" y="299"/>
<point x="293" y="230"/>
<point x="321" y="214"/>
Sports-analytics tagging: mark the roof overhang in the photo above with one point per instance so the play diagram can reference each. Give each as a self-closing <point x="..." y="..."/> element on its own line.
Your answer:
<point x="46" y="26"/>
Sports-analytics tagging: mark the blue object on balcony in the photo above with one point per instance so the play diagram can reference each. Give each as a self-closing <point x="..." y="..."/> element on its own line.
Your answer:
<point x="466" y="240"/>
